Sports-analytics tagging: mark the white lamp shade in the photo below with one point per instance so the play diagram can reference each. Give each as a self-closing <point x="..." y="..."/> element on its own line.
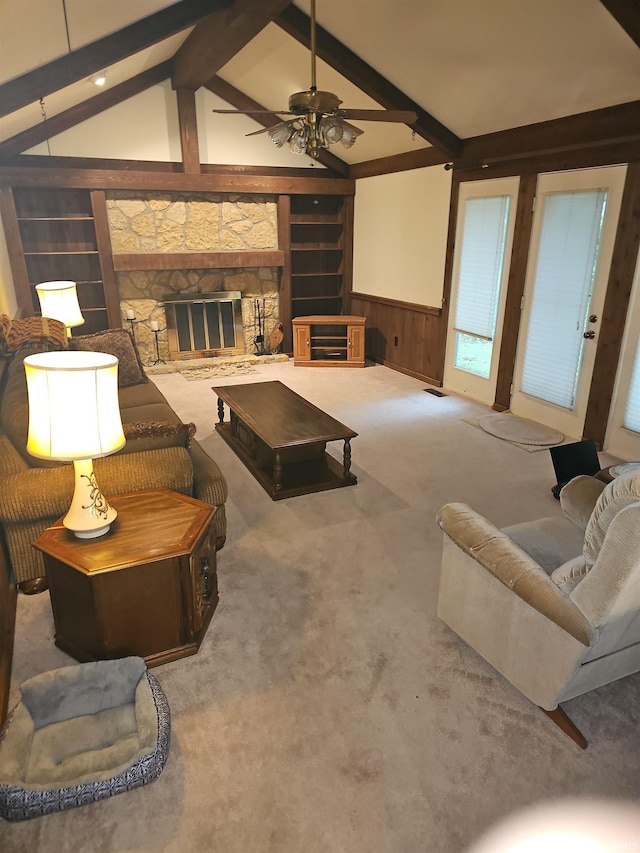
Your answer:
<point x="73" y="405"/>
<point x="59" y="300"/>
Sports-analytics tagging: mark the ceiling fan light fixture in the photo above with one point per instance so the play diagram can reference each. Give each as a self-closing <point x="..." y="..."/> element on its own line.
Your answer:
<point x="349" y="134"/>
<point x="298" y="141"/>
<point x="331" y="129"/>
<point x="281" y="133"/>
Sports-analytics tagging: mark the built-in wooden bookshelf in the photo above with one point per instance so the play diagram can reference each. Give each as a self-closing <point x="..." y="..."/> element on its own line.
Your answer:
<point x="317" y="231"/>
<point x="58" y="231"/>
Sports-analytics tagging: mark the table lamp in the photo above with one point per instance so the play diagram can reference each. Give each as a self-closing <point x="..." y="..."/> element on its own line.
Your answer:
<point x="74" y="417"/>
<point x="59" y="300"/>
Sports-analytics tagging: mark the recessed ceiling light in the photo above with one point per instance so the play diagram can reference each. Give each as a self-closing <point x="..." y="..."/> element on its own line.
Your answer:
<point x="99" y="79"/>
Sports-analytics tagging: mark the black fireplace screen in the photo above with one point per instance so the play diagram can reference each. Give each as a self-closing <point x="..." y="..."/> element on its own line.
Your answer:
<point x="205" y="325"/>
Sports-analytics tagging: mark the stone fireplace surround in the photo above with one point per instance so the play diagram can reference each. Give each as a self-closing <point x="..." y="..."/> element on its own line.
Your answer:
<point x="207" y="224"/>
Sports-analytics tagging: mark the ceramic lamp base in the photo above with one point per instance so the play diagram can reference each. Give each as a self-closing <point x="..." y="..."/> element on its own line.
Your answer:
<point x="90" y="514"/>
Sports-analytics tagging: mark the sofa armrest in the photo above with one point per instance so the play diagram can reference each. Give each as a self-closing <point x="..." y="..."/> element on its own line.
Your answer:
<point x="513" y="567"/>
<point x="209" y="484"/>
<point x="42" y="493"/>
<point x="579" y="497"/>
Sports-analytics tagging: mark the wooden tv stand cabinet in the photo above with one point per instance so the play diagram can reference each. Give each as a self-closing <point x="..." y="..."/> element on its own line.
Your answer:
<point x="329" y="341"/>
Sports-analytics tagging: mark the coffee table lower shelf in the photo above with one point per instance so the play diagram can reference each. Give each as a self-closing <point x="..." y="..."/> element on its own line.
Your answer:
<point x="299" y="477"/>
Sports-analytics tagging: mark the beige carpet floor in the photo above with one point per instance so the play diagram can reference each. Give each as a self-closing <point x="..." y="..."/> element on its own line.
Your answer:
<point x="329" y="710"/>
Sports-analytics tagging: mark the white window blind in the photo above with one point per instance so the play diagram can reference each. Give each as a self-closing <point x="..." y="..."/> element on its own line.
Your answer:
<point x="565" y="270"/>
<point x="632" y="411"/>
<point x="481" y="259"/>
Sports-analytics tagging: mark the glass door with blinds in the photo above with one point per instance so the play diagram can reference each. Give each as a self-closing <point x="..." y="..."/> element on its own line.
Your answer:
<point x="572" y="240"/>
<point x="623" y="436"/>
<point x="486" y="218"/>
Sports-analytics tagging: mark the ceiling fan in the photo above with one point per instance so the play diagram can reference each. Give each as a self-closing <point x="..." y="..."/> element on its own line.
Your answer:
<point x="318" y="120"/>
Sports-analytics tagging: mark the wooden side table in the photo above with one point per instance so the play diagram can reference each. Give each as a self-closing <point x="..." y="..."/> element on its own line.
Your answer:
<point x="147" y="588"/>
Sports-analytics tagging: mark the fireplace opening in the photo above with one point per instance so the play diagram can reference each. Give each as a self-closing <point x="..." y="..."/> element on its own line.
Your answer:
<point x="204" y="325"/>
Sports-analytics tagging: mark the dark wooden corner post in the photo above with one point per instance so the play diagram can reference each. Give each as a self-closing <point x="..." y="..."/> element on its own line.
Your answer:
<point x="515" y="290"/>
<point x="616" y="306"/>
<point x="188" y="131"/>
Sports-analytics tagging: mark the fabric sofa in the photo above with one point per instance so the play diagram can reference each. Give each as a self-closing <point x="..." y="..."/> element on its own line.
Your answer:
<point x="160" y="450"/>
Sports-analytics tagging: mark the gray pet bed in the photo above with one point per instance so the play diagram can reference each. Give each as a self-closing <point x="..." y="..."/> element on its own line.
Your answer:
<point x="80" y="734"/>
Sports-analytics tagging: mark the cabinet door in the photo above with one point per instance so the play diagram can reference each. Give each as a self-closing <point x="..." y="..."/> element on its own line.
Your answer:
<point x="301" y="343"/>
<point x="204" y="582"/>
<point x="355" y="350"/>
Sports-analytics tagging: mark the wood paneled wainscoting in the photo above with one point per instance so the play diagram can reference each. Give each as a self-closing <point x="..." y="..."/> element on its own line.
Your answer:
<point x="408" y="337"/>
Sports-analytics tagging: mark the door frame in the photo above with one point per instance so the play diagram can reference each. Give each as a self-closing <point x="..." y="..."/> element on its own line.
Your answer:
<point x="463" y="381"/>
<point x="571" y="422"/>
<point x="618" y="440"/>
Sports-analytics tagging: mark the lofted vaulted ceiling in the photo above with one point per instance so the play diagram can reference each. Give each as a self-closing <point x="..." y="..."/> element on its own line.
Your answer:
<point x="478" y="73"/>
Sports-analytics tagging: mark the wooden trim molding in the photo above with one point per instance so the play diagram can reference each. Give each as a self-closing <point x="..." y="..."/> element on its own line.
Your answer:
<point x="397" y="303"/>
<point x="284" y="241"/>
<point x="226" y="182"/>
<point x="123" y="262"/>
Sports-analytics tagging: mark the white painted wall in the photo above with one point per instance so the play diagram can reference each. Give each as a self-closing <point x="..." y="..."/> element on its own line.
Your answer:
<point x="144" y="127"/>
<point x="400" y="235"/>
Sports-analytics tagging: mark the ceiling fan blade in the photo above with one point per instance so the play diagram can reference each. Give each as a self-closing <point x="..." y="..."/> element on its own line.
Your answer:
<point x="262" y="130"/>
<point x="256" y="112"/>
<point x="402" y="116"/>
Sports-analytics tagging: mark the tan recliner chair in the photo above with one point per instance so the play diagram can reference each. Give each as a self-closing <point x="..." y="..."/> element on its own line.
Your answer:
<point x="553" y="604"/>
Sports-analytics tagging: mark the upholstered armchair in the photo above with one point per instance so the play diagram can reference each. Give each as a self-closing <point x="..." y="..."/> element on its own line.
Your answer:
<point x="552" y="604"/>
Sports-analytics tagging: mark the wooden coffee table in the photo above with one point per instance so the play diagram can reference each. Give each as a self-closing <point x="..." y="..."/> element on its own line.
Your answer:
<point x="281" y="438"/>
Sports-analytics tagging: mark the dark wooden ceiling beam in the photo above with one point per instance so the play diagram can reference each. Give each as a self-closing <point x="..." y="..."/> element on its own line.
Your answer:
<point x="98" y="55"/>
<point x="343" y="60"/>
<point x="241" y="101"/>
<point x="608" y="126"/>
<point x="627" y="14"/>
<point x="33" y="136"/>
<point x="399" y="163"/>
<point x="218" y="38"/>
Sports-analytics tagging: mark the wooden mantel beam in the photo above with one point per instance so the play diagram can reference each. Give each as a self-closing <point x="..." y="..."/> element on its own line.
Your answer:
<point x="98" y="55"/>
<point x="219" y="37"/>
<point x="294" y="22"/>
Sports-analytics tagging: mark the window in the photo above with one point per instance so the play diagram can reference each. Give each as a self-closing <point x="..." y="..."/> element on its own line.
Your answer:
<point x="480" y="275"/>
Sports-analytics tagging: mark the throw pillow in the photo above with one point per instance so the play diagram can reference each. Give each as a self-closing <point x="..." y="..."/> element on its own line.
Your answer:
<point x="116" y="342"/>
<point x="153" y="435"/>
<point x="621" y="492"/>
<point x="43" y="332"/>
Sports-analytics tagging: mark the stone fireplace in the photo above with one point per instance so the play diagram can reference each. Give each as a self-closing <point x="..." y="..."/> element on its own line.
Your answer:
<point x="170" y="249"/>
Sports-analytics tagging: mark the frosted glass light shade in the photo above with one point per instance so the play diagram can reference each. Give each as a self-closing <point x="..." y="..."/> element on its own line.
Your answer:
<point x="74" y="416"/>
<point x="59" y="300"/>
